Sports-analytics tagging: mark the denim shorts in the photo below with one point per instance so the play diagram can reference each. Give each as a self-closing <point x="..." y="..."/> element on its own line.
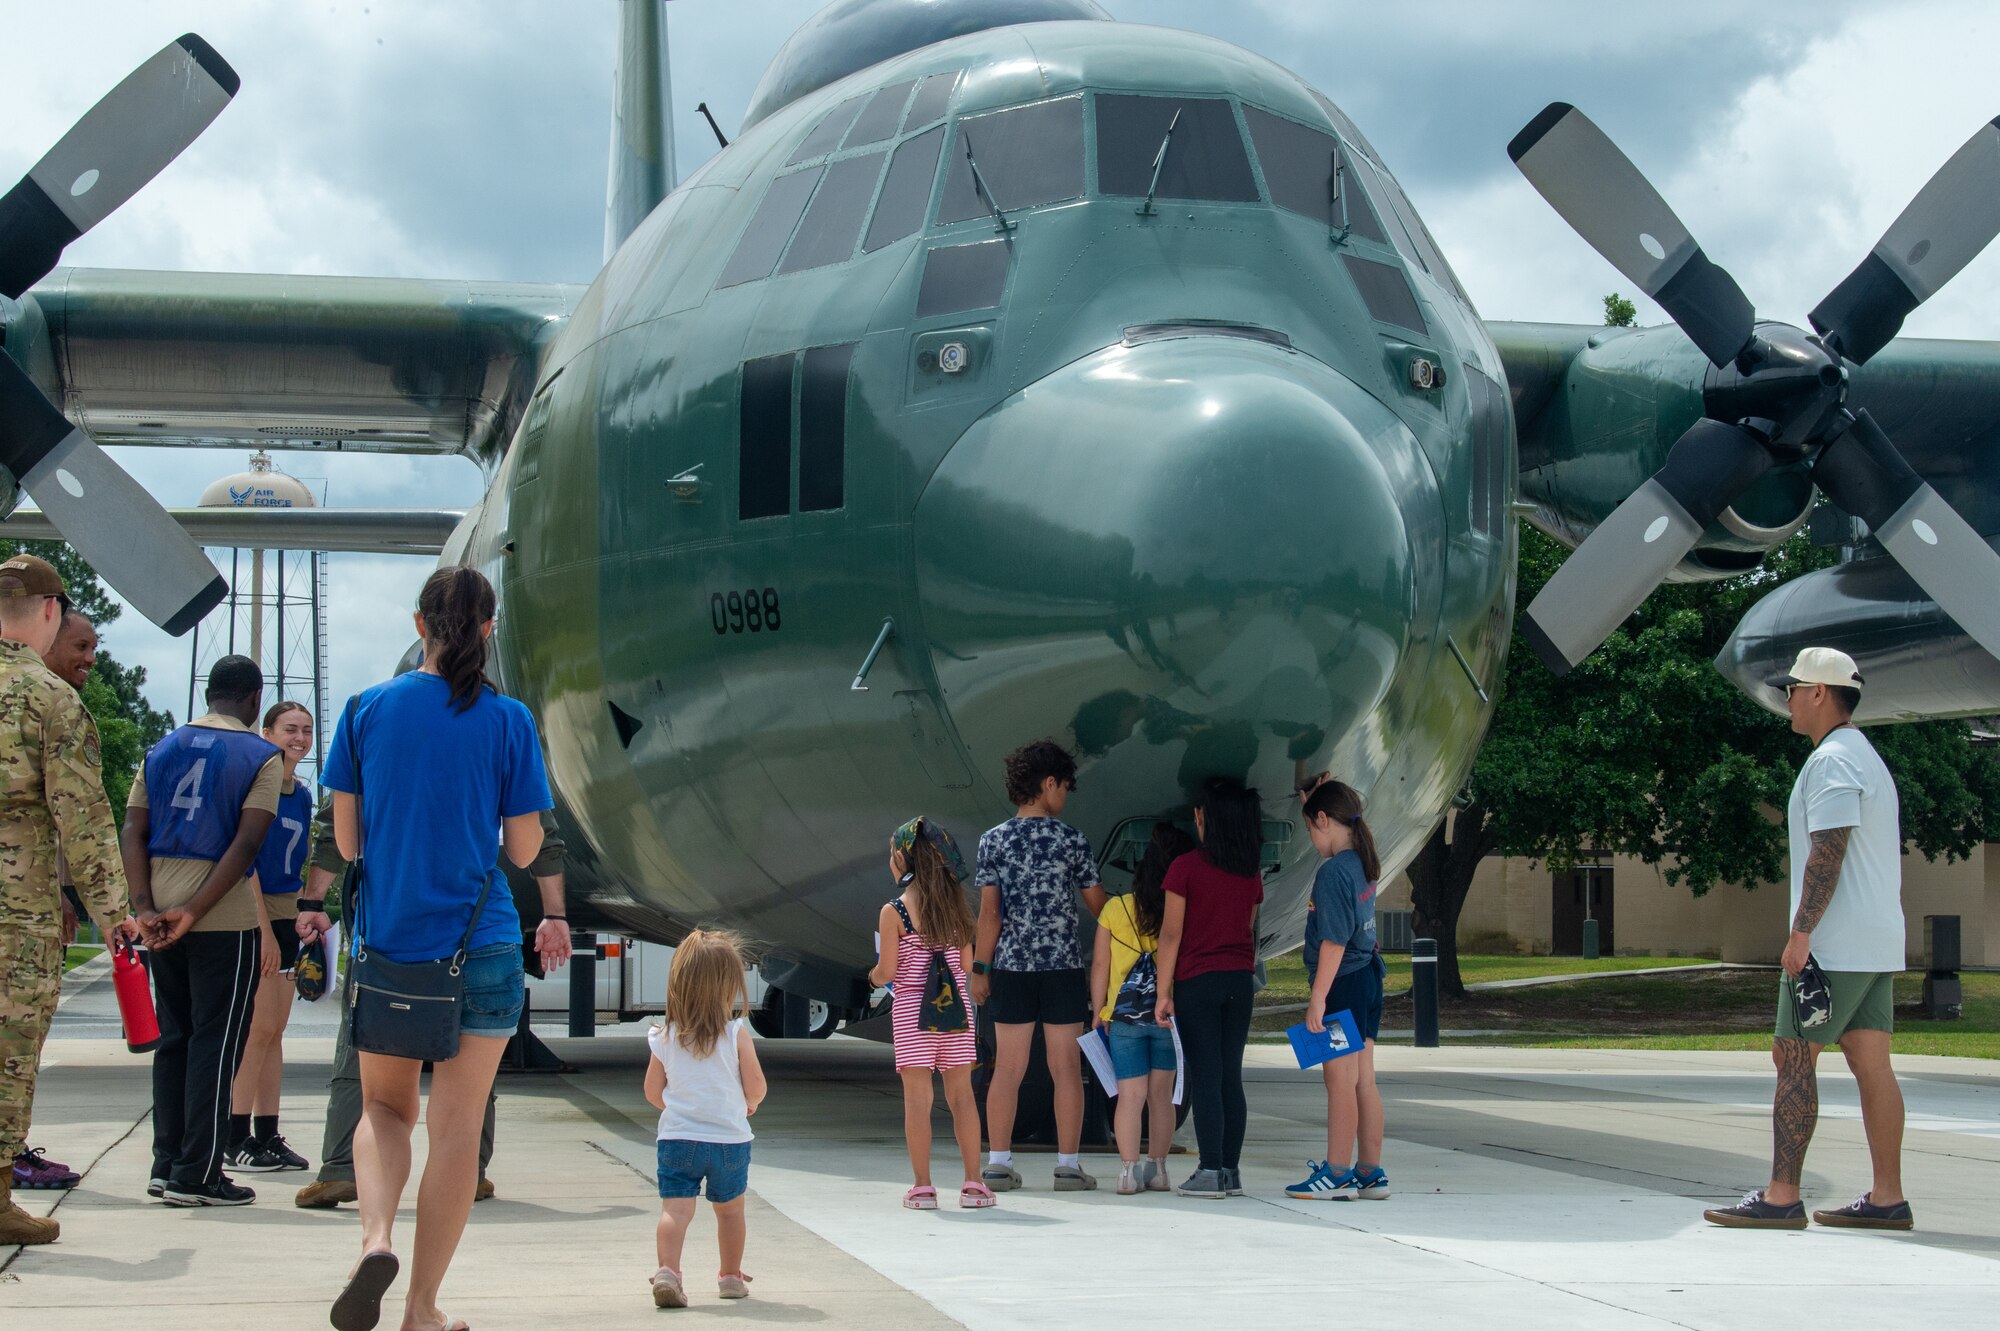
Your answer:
<point x="1137" y="1050"/>
<point x="684" y="1164"/>
<point x="494" y="990"/>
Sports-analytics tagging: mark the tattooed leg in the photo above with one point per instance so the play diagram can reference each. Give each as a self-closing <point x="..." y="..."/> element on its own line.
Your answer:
<point x="1794" y="1114"/>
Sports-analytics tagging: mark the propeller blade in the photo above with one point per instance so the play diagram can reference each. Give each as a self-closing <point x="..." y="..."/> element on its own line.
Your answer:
<point x="108" y="156"/>
<point x="1863" y="472"/>
<point x="1635" y="548"/>
<point x="119" y="529"/>
<point x="1951" y="220"/>
<point x="1606" y="200"/>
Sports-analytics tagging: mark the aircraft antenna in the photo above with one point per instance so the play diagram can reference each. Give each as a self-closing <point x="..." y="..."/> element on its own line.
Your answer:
<point x="715" y="129"/>
<point x="1159" y="161"/>
<point x="979" y="183"/>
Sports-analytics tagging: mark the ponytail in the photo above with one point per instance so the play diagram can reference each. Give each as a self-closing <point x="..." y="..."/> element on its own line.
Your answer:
<point x="456" y="603"/>
<point x="1342" y="803"/>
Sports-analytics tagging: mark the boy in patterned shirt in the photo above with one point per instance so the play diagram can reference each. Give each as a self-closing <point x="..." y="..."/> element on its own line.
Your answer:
<point x="1027" y="965"/>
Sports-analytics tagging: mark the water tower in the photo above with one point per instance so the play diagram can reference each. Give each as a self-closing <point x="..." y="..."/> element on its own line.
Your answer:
<point x="276" y="611"/>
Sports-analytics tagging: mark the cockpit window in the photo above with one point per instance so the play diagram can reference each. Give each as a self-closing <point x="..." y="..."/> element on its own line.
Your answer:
<point x="878" y="120"/>
<point x="1027" y="155"/>
<point x="906" y="196"/>
<point x="821" y="141"/>
<point x="932" y="99"/>
<point x="764" y="239"/>
<point x="1407" y="230"/>
<point x="1302" y="171"/>
<point x="833" y="222"/>
<point x="1205" y="160"/>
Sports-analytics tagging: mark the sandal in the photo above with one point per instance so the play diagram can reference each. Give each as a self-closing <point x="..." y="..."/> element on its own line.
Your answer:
<point x="975" y="1196"/>
<point x="921" y="1198"/>
<point x="359" y="1306"/>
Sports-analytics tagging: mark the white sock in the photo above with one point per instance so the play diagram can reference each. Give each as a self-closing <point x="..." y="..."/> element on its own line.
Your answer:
<point x="1000" y="1158"/>
<point x="1067" y="1162"/>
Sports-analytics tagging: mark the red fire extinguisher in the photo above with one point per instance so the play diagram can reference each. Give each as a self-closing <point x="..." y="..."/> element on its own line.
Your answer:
<point x="135" y="998"/>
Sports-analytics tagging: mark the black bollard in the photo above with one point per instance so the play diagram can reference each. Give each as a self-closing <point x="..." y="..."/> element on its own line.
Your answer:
<point x="1424" y="990"/>
<point x="582" y="983"/>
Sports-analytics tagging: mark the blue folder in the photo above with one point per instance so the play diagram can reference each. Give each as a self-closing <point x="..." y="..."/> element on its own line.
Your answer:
<point x="1340" y="1038"/>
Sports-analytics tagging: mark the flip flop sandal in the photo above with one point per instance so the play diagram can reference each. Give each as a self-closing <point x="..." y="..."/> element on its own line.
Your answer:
<point x="359" y="1306"/>
<point x="975" y="1196"/>
<point x="921" y="1199"/>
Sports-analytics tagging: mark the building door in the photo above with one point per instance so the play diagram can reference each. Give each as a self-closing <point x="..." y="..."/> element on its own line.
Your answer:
<point x="1579" y="894"/>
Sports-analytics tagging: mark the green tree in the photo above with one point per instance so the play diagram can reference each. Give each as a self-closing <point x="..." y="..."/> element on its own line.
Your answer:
<point x="1619" y="312"/>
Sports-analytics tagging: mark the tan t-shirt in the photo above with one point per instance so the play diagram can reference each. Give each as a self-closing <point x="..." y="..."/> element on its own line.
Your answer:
<point x="175" y="881"/>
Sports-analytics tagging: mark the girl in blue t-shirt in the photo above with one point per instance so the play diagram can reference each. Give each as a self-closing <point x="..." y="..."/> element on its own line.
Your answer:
<point x="1344" y="969"/>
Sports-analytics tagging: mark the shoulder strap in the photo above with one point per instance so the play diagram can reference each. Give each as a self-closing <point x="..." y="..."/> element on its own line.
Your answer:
<point x="1131" y="940"/>
<point x="909" y="925"/>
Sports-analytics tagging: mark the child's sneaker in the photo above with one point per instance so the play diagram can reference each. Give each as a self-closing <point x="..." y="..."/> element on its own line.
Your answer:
<point x="733" y="1285"/>
<point x="1323" y="1185"/>
<point x="668" y="1292"/>
<point x="1130" y="1182"/>
<point x="1371" y="1184"/>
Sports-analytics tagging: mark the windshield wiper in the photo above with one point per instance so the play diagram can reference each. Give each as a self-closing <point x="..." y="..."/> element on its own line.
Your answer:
<point x="1338" y="225"/>
<point x="1160" y="160"/>
<point x="979" y="184"/>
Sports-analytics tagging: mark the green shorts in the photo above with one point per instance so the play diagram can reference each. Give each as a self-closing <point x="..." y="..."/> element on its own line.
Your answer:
<point x="1862" y="1001"/>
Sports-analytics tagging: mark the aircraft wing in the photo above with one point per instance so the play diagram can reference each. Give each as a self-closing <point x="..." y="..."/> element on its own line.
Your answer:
<point x="388" y="365"/>
<point x="385" y="531"/>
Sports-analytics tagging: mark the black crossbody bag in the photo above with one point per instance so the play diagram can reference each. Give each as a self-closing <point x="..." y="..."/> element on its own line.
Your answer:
<point x="405" y="1009"/>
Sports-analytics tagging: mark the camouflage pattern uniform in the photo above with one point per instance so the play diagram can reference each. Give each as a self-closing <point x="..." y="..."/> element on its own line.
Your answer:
<point x="51" y="788"/>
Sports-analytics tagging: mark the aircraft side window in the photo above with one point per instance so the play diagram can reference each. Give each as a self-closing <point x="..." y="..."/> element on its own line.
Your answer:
<point x="879" y="119"/>
<point x="1299" y="171"/>
<point x="1392" y="217"/>
<point x="823" y="378"/>
<point x="821" y="141"/>
<point x="764" y="439"/>
<point x="963" y="277"/>
<point x="1386" y="292"/>
<point x="1205" y="160"/>
<point x="906" y="195"/>
<point x="1489" y="453"/>
<point x="832" y="223"/>
<point x="932" y="100"/>
<point x="764" y="239"/>
<point x="1027" y="155"/>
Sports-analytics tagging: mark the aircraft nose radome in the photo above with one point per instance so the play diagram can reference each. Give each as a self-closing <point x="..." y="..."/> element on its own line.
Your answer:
<point x="1203" y="540"/>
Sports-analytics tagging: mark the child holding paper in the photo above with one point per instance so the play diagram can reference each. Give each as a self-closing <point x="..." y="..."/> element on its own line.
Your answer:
<point x="1345" y="970"/>
<point x="1123" y="990"/>
<point x="932" y="919"/>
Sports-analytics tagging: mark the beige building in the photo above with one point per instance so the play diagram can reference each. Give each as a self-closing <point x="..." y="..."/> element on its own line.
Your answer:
<point x="1519" y="905"/>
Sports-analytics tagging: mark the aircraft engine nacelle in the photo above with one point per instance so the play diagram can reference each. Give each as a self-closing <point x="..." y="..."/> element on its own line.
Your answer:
<point x="1609" y="423"/>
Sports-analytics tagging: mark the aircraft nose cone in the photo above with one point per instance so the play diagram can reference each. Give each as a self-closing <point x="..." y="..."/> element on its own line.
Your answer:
<point x="1193" y="555"/>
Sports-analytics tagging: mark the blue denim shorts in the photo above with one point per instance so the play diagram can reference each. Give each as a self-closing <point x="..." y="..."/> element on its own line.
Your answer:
<point x="684" y="1164"/>
<point x="494" y="990"/>
<point x="1137" y="1050"/>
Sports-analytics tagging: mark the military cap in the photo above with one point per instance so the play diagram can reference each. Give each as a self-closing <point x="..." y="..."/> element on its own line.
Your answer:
<point x="25" y="575"/>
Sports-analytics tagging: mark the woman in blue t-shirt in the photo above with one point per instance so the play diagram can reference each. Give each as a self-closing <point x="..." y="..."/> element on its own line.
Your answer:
<point x="446" y="767"/>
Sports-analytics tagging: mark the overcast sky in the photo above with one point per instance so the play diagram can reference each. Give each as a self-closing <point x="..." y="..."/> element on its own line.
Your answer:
<point x="453" y="138"/>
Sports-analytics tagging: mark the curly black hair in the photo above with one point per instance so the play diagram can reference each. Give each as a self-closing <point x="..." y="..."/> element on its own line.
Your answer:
<point x="1032" y="764"/>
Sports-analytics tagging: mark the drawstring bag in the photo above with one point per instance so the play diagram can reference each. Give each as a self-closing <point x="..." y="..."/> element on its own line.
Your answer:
<point x="1140" y="991"/>
<point x="942" y="1011"/>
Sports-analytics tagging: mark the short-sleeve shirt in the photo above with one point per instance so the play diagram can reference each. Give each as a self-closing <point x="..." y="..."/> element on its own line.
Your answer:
<point x="1342" y="912"/>
<point x="1215" y="933"/>
<point x="1846" y="784"/>
<point x="176" y="881"/>
<point x="436" y="783"/>
<point x="1039" y="865"/>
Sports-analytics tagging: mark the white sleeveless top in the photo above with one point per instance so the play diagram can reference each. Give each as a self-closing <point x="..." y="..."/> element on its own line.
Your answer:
<point x="704" y="1095"/>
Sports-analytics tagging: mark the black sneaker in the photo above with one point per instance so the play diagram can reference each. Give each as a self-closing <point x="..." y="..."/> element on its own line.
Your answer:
<point x="1753" y="1212"/>
<point x="222" y="1192"/>
<point x="1204" y="1183"/>
<point x="1861" y="1213"/>
<point x="280" y="1150"/>
<point x="253" y="1157"/>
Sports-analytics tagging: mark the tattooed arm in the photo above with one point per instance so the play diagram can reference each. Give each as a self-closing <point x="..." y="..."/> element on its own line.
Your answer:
<point x="1822" y="875"/>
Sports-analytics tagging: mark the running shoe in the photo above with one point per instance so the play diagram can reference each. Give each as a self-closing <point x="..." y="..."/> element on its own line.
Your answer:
<point x="34" y="1170"/>
<point x="732" y="1285"/>
<point x="1863" y="1213"/>
<point x="1204" y="1183"/>
<point x="1371" y="1184"/>
<point x="668" y="1292"/>
<point x="1323" y="1185"/>
<point x="1753" y="1212"/>
<point x="250" y="1157"/>
<point x="222" y="1192"/>
<point x="281" y="1150"/>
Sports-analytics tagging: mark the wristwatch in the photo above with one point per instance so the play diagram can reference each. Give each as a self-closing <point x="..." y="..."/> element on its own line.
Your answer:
<point x="982" y="968"/>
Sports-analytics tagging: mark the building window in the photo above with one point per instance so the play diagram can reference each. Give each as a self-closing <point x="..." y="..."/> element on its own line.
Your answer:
<point x="764" y="439"/>
<point x="823" y="380"/>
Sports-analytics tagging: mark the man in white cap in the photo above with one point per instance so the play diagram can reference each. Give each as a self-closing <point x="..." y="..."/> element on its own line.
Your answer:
<point x="1847" y="923"/>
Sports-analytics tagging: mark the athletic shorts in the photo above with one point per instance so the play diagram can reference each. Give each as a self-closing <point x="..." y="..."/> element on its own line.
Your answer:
<point x="1137" y="1050"/>
<point x="1359" y="992"/>
<point x="1862" y="1001"/>
<point x="494" y="990"/>
<point x="684" y="1164"/>
<point x="286" y="931"/>
<point x="1054" y="998"/>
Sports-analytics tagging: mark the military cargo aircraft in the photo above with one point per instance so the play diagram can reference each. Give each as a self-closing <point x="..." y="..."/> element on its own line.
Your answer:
<point x="1015" y="373"/>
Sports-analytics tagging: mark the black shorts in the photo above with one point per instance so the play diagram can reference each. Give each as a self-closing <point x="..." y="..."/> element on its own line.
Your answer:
<point x="287" y="934"/>
<point x="1054" y="998"/>
<point x="1359" y="992"/>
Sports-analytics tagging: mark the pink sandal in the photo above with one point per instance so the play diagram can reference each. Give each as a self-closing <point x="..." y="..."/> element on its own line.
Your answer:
<point x="975" y="1196"/>
<point x="921" y="1198"/>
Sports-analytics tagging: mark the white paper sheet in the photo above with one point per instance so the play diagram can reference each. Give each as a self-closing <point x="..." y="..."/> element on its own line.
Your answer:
<point x="1180" y="1060"/>
<point x="1098" y="1054"/>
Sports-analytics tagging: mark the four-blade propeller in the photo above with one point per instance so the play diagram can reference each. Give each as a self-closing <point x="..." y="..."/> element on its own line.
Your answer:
<point x="1785" y="392"/>
<point x="108" y="156"/>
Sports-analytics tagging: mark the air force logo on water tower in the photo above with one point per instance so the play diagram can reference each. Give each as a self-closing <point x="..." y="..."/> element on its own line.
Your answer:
<point x="258" y="496"/>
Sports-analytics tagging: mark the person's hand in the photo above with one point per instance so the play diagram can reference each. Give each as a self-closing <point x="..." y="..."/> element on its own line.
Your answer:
<point x="1097" y="1021"/>
<point x="68" y="922"/>
<point x="129" y="931"/>
<point x="982" y="988"/>
<point x="552" y="942"/>
<point x="1163" y="1010"/>
<point x="1797" y="950"/>
<point x="313" y="926"/>
<point x="1316" y="1014"/>
<point x="267" y="953"/>
<point x="168" y="928"/>
<point x="1312" y="783"/>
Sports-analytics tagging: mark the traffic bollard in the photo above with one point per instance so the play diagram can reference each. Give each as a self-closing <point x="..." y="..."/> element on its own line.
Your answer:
<point x="582" y="984"/>
<point x="1424" y="990"/>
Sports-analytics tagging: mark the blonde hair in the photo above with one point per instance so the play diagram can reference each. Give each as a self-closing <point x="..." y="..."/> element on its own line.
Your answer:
<point x="944" y="911"/>
<point x="705" y="989"/>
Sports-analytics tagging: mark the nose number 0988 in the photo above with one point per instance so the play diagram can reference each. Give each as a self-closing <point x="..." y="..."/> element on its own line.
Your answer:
<point x="749" y="611"/>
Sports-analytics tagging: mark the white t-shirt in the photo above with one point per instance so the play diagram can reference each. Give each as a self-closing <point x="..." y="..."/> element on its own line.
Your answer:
<point x="704" y="1095"/>
<point x="1845" y="784"/>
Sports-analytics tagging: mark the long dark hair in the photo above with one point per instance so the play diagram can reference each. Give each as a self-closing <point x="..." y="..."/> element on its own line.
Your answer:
<point x="944" y="909"/>
<point x="1149" y="897"/>
<point x="1232" y="817"/>
<point x="455" y="604"/>
<point x="1342" y="803"/>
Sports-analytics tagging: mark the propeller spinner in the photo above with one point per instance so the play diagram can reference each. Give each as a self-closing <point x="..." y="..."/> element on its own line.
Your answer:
<point x="1783" y="391"/>
<point x="108" y="156"/>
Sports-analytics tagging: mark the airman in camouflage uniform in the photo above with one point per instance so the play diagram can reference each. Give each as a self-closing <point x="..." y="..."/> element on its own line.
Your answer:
<point x="51" y="789"/>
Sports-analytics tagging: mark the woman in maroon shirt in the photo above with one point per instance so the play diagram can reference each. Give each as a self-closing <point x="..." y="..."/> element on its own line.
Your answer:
<point x="1208" y="949"/>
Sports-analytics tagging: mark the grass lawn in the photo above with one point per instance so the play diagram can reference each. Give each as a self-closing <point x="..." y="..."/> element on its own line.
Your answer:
<point x="1288" y="973"/>
<point x="76" y="956"/>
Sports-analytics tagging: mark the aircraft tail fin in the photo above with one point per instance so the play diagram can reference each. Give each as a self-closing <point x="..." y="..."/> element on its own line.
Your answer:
<point x="642" y="122"/>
